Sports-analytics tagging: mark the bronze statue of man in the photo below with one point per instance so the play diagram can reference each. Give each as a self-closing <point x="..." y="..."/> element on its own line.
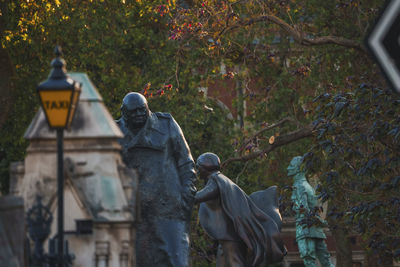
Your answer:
<point x="154" y="145"/>
<point x="246" y="235"/>
<point x="310" y="238"/>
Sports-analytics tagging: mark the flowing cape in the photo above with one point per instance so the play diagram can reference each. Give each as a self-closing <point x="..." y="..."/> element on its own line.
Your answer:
<point x="256" y="229"/>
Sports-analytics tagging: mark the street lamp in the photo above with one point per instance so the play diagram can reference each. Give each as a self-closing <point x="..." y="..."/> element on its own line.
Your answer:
<point x="59" y="96"/>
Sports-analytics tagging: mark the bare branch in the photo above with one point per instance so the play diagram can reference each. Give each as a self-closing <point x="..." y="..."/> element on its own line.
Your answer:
<point x="298" y="36"/>
<point x="279" y="141"/>
<point x="241" y="172"/>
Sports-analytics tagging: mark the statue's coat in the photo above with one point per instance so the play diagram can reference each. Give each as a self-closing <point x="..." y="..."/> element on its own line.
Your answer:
<point x="303" y="196"/>
<point x="239" y="218"/>
<point x="165" y="166"/>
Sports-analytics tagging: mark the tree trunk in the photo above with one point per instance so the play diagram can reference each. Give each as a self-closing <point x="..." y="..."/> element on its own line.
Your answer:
<point x="344" y="255"/>
<point x="241" y="111"/>
<point x="6" y="70"/>
<point x="6" y="74"/>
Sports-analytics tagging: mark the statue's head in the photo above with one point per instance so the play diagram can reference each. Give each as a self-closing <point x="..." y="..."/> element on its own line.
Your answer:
<point x="208" y="163"/>
<point x="135" y="110"/>
<point x="294" y="166"/>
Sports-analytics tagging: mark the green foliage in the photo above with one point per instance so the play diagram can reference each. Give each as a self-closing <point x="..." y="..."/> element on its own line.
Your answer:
<point x="356" y="155"/>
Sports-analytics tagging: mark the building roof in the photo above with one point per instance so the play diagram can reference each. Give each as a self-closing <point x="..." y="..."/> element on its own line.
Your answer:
<point x="92" y="119"/>
<point x="101" y="194"/>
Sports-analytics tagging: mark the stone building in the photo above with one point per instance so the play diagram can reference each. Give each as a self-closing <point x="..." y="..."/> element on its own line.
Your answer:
<point x="99" y="191"/>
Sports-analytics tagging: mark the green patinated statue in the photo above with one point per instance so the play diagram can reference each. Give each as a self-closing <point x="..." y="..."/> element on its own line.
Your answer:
<point x="309" y="235"/>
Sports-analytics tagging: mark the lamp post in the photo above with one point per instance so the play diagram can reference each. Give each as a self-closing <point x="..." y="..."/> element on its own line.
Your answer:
<point x="59" y="96"/>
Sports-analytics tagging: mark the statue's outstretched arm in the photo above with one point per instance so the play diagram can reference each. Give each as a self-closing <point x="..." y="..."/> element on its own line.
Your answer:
<point x="209" y="192"/>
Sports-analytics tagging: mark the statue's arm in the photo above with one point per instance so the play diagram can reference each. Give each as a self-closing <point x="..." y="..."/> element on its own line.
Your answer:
<point x="184" y="162"/>
<point x="209" y="192"/>
<point x="304" y="201"/>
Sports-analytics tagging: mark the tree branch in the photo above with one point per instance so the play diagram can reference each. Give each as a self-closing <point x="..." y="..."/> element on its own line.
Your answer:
<point x="269" y="127"/>
<point x="279" y="141"/>
<point x="298" y="36"/>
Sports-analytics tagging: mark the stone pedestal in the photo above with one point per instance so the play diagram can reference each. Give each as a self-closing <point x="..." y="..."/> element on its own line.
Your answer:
<point x="12" y="231"/>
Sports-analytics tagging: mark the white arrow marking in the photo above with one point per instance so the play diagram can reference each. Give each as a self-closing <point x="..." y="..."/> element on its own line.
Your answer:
<point x="375" y="41"/>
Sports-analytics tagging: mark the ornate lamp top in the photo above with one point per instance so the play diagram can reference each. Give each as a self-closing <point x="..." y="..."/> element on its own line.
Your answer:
<point x="59" y="70"/>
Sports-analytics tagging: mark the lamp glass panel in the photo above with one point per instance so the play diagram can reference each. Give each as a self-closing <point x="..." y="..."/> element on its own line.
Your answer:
<point x="74" y="105"/>
<point x="56" y="104"/>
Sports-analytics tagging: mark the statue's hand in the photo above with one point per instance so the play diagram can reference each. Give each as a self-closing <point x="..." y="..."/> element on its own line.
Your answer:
<point x="187" y="201"/>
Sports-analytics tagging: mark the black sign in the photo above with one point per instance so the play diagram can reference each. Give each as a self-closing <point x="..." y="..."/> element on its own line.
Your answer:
<point x="384" y="42"/>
